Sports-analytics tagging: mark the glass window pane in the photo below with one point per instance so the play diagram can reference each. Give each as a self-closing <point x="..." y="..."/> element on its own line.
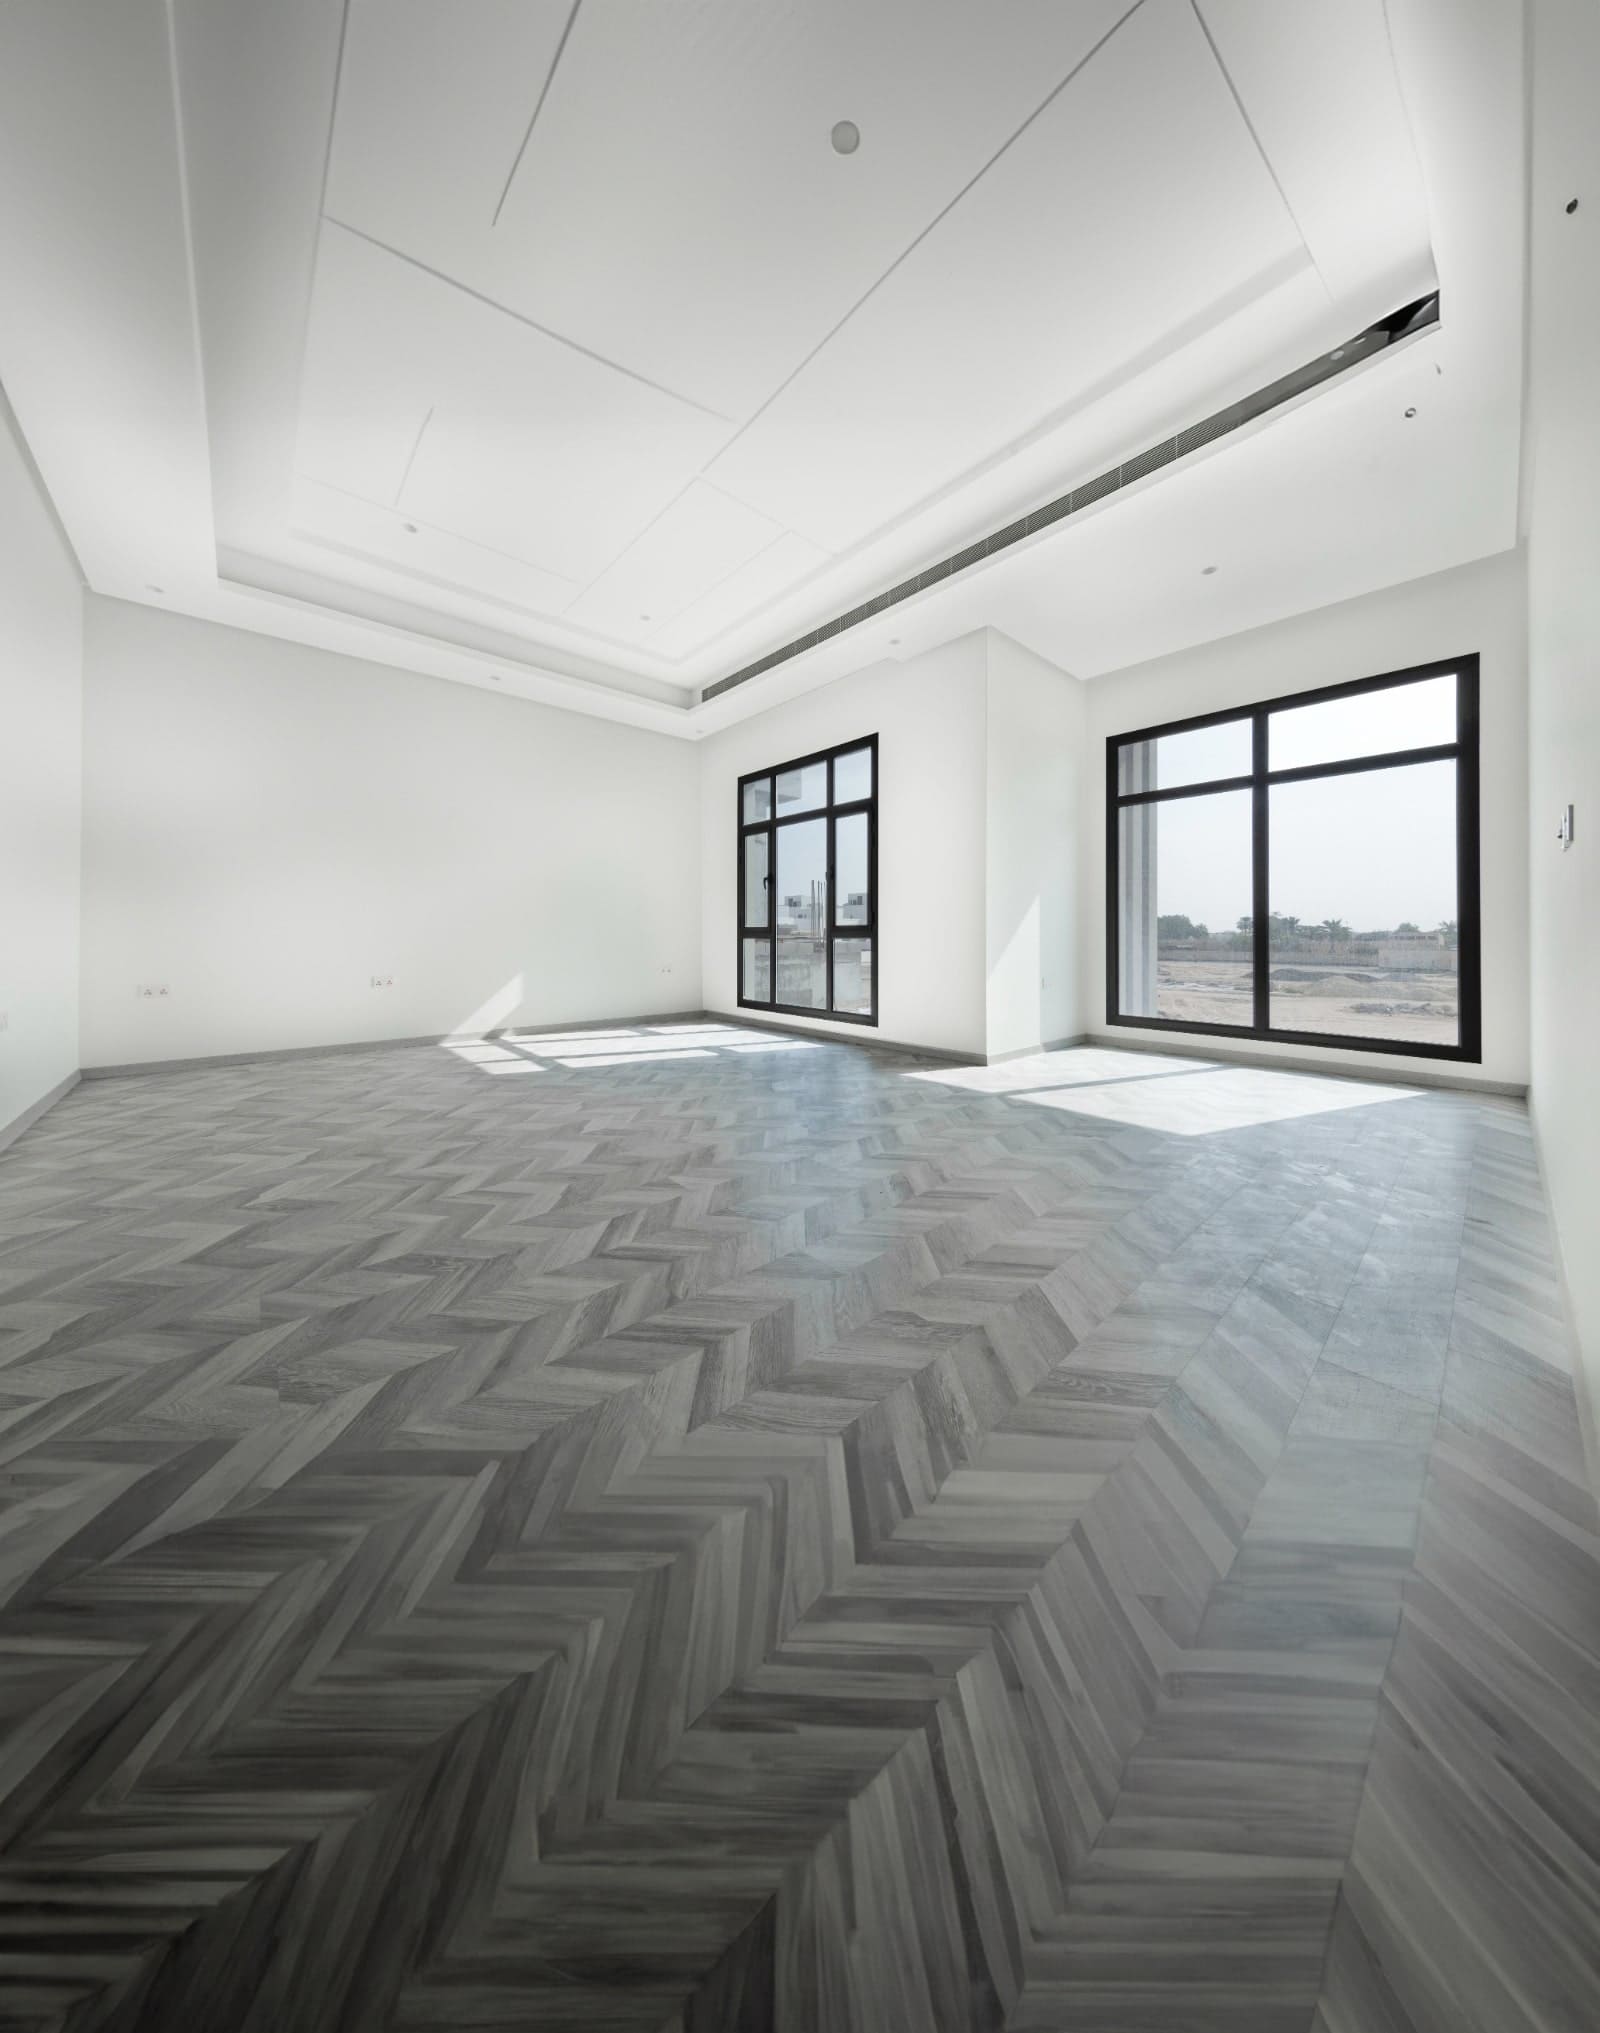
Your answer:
<point x="1192" y="758"/>
<point x="755" y="878"/>
<point x="1420" y="715"/>
<point x="852" y="776"/>
<point x="802" y="973"/>
<point x="756" y="974"/>
<point x="757" y="801"/>
<point x="852" y="903"/>
<point x="852" y="976"/>
<point x="1364" y="907"/>
<point x="802" y="877"/>
<point x="802" y="790"/>
<point x="1184" y="925"/>
<point x="801" y="910"/>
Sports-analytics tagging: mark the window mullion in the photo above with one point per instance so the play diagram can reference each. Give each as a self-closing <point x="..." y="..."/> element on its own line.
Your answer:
<point x="1260" y="887"/>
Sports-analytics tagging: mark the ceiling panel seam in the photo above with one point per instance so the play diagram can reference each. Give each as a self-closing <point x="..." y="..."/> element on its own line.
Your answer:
<point x="416" y="446"/>
<point x="521" y="318"/>
<point x="309" y="306"/>
<point x="1260" y="148"/>
<point x="550" y="78"/>
<point x="333" y="109"/>
<point x="700" y="479"/>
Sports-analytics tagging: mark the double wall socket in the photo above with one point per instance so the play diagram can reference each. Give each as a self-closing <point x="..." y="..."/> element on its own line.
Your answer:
<point x="381" y="980"/>
<point x="148" y="991"/>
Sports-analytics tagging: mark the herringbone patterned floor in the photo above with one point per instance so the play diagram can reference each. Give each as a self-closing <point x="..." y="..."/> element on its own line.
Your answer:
<point x="671" y="1529"/>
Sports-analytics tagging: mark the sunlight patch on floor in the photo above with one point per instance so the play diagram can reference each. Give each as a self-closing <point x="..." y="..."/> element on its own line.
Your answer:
<point x="662" y="1058"/>
<point x="1239" y="1097"/>
<point x="1179" y="1097"/>
<point x="1076" y="1066"/>
<point x="511" y="1052"/>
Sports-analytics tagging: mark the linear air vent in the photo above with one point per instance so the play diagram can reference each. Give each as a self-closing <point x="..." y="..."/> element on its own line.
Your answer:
<point x="1401" y="324"/>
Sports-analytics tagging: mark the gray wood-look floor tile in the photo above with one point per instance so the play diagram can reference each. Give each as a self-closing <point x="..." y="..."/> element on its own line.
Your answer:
<point x="789" y="1539"/>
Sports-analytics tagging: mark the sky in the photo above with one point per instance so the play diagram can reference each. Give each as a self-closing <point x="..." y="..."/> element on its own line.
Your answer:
<point x="1375" y="849"/>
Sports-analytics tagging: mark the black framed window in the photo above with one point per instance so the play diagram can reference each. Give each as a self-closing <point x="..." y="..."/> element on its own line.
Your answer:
<point x="808" y="885"/>
<point x="1305" y="869"/>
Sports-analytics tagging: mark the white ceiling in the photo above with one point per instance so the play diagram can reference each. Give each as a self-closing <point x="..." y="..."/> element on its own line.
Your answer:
<point x="554" y="342"/>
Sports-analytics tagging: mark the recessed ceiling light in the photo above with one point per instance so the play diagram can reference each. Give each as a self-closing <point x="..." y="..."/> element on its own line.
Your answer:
<point x="151" y="588"/>
<point x="1337" y="353"/>
<point x="1206" y="571"/>
<point x="894" y="642"/>
<point x="646" y="617"/>
<point x="846" y="137"/>
<point x="1411" y="412"/>
<point x="494" y="677"/>
<point x="1572" y="206"/>
<point x="410" y="528"/>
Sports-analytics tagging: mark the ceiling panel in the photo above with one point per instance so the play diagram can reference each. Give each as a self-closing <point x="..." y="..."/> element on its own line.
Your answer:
<point x="434" y="103"/>
<point x="1135" y="210"/>
<point x="1320" y="88"/>
<point x="695" y="544"/>
<point x="436" y="561"/>
<point x="364" y="389"/>
<point x="422" y="398"/>
<point x="771" y="572"/>
<point x="678" y="207"/>
<point x="97" y="331"/>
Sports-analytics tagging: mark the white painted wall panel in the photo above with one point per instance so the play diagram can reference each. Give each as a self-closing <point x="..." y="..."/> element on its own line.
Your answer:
<point x="1563" y="514"/>
<point x="41" y="665"/>
<point x="1036" y="758"/>
<point x="268" y="826"/>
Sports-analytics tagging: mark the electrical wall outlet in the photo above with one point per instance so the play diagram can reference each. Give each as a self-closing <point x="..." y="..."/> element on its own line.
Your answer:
<point x="381" y="980"/>
<point x="151" y="991"/>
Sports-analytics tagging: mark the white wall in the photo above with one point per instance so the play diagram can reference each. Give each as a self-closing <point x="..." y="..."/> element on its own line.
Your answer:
<point x="1477" y="607"/>
<point x="41" y="661"/>
<point x="1562" y="510"/>
<point x="928" y="714"/>
<point x="1036" y="736"/>
<point x="267" y="826"/>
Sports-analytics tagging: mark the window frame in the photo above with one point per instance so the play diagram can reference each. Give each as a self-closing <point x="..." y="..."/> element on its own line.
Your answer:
<point x="831" y="812"/>
<point x="1260" y="780"/>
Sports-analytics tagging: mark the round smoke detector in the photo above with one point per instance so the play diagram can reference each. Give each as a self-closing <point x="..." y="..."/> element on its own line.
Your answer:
<point x="846" y="137"/>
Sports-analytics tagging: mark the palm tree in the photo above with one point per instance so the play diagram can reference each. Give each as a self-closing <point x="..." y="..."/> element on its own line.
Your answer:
<point x="1336" y="929"/>
<point x="1448" y="930"/>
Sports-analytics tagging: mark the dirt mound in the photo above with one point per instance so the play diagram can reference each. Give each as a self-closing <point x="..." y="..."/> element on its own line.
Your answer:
<point x="1326" y="984"/>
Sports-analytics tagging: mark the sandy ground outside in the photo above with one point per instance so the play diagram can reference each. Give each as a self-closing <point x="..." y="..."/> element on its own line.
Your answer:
<point x="1411" y="1008"/>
